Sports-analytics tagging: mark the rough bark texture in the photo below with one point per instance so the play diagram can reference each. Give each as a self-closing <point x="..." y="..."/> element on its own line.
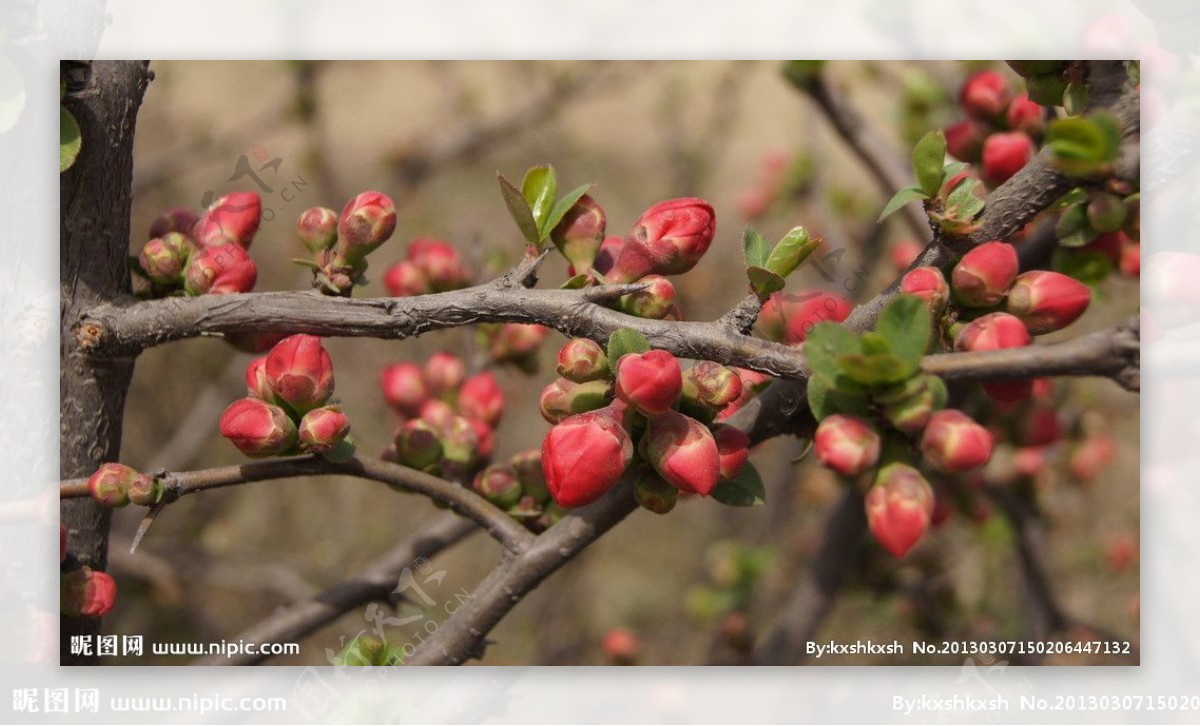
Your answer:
<point x="93" y="248"/>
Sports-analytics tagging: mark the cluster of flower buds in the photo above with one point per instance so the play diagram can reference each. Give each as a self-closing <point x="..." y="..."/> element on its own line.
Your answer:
<point x="1105" y="224"/>
<point x="429" y="265"/>
<point x="789" y="317"/>
<point x="448" y="419"/>
<point x="117" y="485"/>
<point x="206" y="254"/>
<point x="1000" y="129"/>
<point x="514" y="343"/>
<point x="339" y="245"/>
<point x="518" y="486"/>
<point x="598" y="408"/>
<point x="287" y="409"/>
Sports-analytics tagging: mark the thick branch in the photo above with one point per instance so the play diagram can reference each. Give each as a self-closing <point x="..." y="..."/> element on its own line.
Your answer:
<point x="461" y="500"/>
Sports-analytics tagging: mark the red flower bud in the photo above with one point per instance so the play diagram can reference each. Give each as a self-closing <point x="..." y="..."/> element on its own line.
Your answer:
<point x="163" y="258"/>
<point x="715" y="384"/>
<point x="1131" y="260"/>
<point x="499" y="485"/>
<point x="563" y="398"/>
<point x="929" y="284"/>
<point x="322" y="429"/>
<point x="650" y="382"/>
<point x="175" y="219"/>
<point x="1029" y="461"/>
<point x="997" y="331"/>
<point x="806" y="309"/>
<point x="231" y="219"/>
<point x="582" y="360"/>
<point x="437" y="413"/>
<point x="444" y="373"/>
<point x="145" y="491"/>
<point x="985" y="94"/>
<point x="620" y="646"/>
<point x="486" y="436"/>
<point x="610" y="250"/>
<point x="1025" y="115"/>
<point x="1004" y="154"/>
<point x="1092" y="456"/>
<point x="257" y="428"/>
<point x="580" y="233"/>
<point x="300" y="372"/>
<point x="417" y="445"/>
<point x="461" y="453"/>
<point x="655" y="302"/>
<point x="220" y="270"/>
<point x="318" y="229"/>
<point x="668" y="239"/>
<point x="87" y="593"/>
<point x="982" y="277"/>
<point x="405" y="279"/>
<point x="953" y="442"/>
<point x="772" y="321"/>
<point x="964" y="140"/>
<point x="515" y="342"/>
<point x="439" y="263"/>
<point x="903" y="254"/>
<point x="847" y="444"/>
<point x="528" y="467"/>
<point x="257" y="385"/>
<point x="403" y="386"/>
<point x="899" y="507"/>
<point x="683" y="451"/>
<point x="367" y="221"/>
<point x="733" y="449"/>
<point x="481" y="398"/>
<point x="1047" y="301"/>
<point x="584" y="456"/>
<point x="109" y="485"/>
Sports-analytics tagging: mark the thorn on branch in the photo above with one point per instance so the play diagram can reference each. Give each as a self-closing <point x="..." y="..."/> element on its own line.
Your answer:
<point x="609" y="293"/>
<point x="524" y="274"/>
<point x="742" y="317"/>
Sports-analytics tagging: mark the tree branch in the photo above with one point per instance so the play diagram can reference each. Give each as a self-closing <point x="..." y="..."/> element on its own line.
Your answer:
<point x="503" y="528"/>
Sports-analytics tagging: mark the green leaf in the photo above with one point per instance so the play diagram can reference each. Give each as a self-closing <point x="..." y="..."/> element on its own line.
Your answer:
<point x="560" y="209"/>
<point x="575" y="283"/>
<point x="826" y="398"/>
<point x="519" y="209"/>
<point x="1077" y="239"/>
<point x="744" y="490"/>
<point x="874" y="369"/>
<point x="764" y="282"/>
<point x="755" y="246"/>
<point x="624" y="342"/>
<point x="1090" y="267"/>
<point x="966" y="200"/>
<point x="791" y="252"/>
<point x="825" y="343"/>
<point x="928" y="158"/>
<point x="907" y="326"/>
<point x="904" y="196"/>
<point x="953" y="169"/>
<point x="69" y="139"/>
<point x="539" y="187"/>
<point x="1075" y="99"/>
<point x="1083" y="146"/>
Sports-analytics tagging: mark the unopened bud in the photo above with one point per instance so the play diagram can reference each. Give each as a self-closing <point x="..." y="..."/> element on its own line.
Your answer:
<point x="528" y="467"/>
<point x="683" y="451"/>
<point x="1027" y="116"/>
<point x="163" y="258"/>
<point x="318" y="228"/>
<point x="481" y="398"/>
<point x="403" y="386"/>
<point x="257" y="385"/>
<point x="514" y="342"/>
<point x="929" y="284"/>
<point x="175" y="219"/>
<point x="563" y="398"/>
<point x="220" y="270"/>
<point x="439" y="263"/>
<point x="985" y="94"/>
<point x="964" y="141"/>
<point x="899" y="507"/>
<point x="620" y="646"/>
<point x="323" y="429"/>
<point x="1047" y="301"/>
<point x="982" y="277"/>
<point x="405" y="279"/>
<point x="997" y="331"/>
<point x="257" y="428"/>
<point x="733" y="449"/>
<point x="1004" y="154"/>
<point x="417" y="445"/>
<point x="87" y="593"/>
<point x="610" y="250"/>
<point x="668" y="239"/>
<point x="367" y="221"/>
<point x="582" y="360"/>
<point x="300" y="372"/>
<point x="953" y="442"/>
<point x="584" y="456"/>
<point x="580" y="233"/>
<point x="653" y="303"/>
<point x="444" y="373"/>
<point x="715" y="385"/>
<point x="145" y="491"/>
<point x="847" y="444"/>
<point x="109" y="485"/>
<point x="650" y="382"/>
<point x="499" y="485"/>
<point x="231" y="219"/>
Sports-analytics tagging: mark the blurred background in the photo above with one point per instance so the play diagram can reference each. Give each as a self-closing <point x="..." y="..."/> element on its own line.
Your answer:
<point x="693" y="586"/>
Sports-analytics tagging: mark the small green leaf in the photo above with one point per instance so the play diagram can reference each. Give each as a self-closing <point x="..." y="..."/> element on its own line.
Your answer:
<point x="519" y="209"/>
<point x="966" y="200"/>
<point x="824" y="344"/>
<point x="539" y="187"/>
<point x="1078" y="194"/>
<point x="1091" y="267"/>
<point x="764" y="282"/>
<point x="575" y="283"/>
<point x="906" y="325"/>
<point x="825" y="398"/>
<point x="928" y="158"/>
<point x="953" y="169"/>
<point x="1084" y="146"/>
<point x="1077" y="239"/>
<point x="875" y="369"/>
<point x="904" y="196"/>
<point x="561" y="207"/>
<point x="69" y="139"/>
<point x="755" y="246"/>
<point x="745" y="490"/>
<point x="624" y="342"/>
<point x="1075" y="99"/>
<point x="791" y="252"/>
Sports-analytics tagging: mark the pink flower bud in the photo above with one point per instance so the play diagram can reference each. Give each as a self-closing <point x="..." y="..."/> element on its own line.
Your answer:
<point x="582" y="360"/>
<point x="654" y="302"/>
<point x="997" y="331"/>
<point x="367" y="221"/>
<point x="417" y="445"/>
<point x="668" y="239"/>
<point x="899" y="507"/>
<point x="1094" y="455"/>
<point x="650" y="382"/>
<point x="323" y="428"/>
<point x="1025" y="115"/>
<point x="231" y="219"/>
<point x="257" y="385"/>
<point x="985" y="94"/>
<point x="515" y="342"/>
<point x="403" y="386"/>
<point x="528" y="467"/>
<point x="772" y="321"/>
<point x="486" y="436"/>
<point x="929" y="284"/>
<point x="847" y="444"/>
<point x="733" y="449"/>
<point x="754" y="201"/>
<point x="444" y="373"/>
<point x="175" y="219"/>
<point x="145" y="491"/>
<point x="580" y="233"/>
<point x="584" y="456"/>
<point x="87" y="593"/>
<point x="982" y="277"/>
<point x="563" y="398"/>
<point x="610" y="250"/>
<point x="620" y="646"/>
<point x="163" y="258"/>
<point x="439" y="263"/>
<point x="318" y="229"/>
<point x="1029" y="461"/>
<point x="300" y="372"/>
<point x="1047" y="301"/>
<point x="436" y="413"/>
<point x="903" y="254"/>
<point x="499" y="485"/>
<point x="715" y="384"/>
<point x="405" y="279"/>
<point x="1004" y="154"/>
<point x="808" y="309"/>
<point x="1131" y="260"/>
<point x="258" y="428"/>
<point x="460" y="449"/>
<point x="220" y="270"/>
<point x="1041" y="427"/>
<point x="481" y="398"/>
<point x="964" y="140"/>
<point x="109" y="485"/>
<point x="683" y="451"/>
<point x="953" y="442"/>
